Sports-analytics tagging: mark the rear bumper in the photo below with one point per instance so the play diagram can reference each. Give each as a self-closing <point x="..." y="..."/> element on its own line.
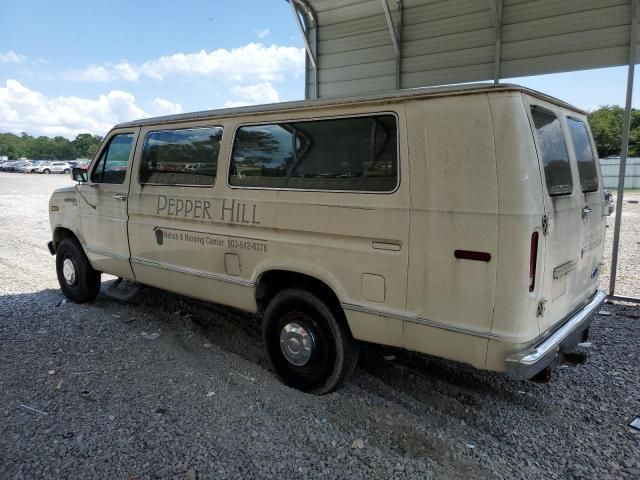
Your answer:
<point x="52" y="249"/>
<point x="526" y="364"/>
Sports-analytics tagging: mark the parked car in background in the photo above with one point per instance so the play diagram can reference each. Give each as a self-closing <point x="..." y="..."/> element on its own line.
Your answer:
<point x="34" y="165"/>
<point x="53" y="167"/>
<point x="42" y="166"/>
<point x="26" y="167"/>
<point x="12" y="166"/>
<point x="17" y="166"/>
<point x="61" y="167"/>
<point x="4" y="166"/>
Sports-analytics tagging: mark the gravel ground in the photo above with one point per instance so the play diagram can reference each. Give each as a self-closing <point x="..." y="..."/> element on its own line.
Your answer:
<point x="168" y="387"/>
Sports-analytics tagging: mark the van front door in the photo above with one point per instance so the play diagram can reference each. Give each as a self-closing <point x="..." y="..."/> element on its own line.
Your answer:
<point x="104" y="206"/>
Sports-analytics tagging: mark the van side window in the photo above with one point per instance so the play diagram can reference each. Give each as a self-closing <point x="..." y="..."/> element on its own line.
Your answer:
<point x="187" y="156"/>
<point x="112" y="166"/>
<point x="339" y="154"/>
<point x="584" y="155"/>
<point x="553" y="149"/>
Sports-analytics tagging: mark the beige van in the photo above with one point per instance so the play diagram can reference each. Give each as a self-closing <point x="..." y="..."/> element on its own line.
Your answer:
<point x="463" y="222"/>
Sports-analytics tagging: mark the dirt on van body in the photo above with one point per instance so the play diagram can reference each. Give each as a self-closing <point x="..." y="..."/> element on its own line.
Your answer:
<point x="169" y="387"/>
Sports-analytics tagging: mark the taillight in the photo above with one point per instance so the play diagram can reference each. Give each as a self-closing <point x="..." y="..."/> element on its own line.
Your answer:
<point x="533" y="261"/>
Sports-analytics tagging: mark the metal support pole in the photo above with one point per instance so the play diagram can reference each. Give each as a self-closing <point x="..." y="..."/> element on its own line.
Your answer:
<point x="394" y="39"/>
<point x="316" y="93"/>
<point x="624" y="148"/>
<point x="496" y="18"/>
<point x="301" y="29"/>
<point x="399" y="57"/>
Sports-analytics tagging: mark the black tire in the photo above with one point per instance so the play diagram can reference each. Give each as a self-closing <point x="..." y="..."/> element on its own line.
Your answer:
<point x="334" y="353"/>
<point x="46" y="171"/>
<point x="85" y="284"/>
<point x="67" y="171"/>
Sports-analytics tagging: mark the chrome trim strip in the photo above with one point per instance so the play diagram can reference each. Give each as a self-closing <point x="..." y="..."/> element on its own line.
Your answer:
<point x="526" y="364"/>
<point x="191" y="271"/>
<point x="420" y="320"/>
<point x="107" y="254"/>
<point x="564" y="269"/>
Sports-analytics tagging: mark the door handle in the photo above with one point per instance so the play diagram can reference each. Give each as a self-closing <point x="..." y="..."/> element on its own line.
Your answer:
<point x="120" y="196"/>
<point x="586" y="211"/>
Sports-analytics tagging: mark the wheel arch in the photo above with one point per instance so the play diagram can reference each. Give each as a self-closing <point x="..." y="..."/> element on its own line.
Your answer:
<point x="60" y="233"/>
<point x="274" y="280"/>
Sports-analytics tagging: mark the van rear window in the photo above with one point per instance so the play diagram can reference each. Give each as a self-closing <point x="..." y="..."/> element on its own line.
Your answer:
<point x="338" y="154"/>
<point x="187" y="156"/>
<point x="553" y="149"/>
<point x="584" y="155"/>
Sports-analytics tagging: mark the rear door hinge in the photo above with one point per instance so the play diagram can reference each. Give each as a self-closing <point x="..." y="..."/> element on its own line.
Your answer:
<point x="542" y="306"/>
<point x="546" y="224"/>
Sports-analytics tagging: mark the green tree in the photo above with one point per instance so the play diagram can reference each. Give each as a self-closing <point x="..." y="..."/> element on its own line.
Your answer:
<point x="86" y="145"/>
<point x="24" y="145"/>
<point x="606" y="125"/>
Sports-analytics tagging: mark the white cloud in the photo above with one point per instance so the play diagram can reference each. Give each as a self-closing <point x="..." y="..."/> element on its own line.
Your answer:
<point x="253" y="94"/>
<point x="234" y="104"/>
<point x="263" y="33"/>
<point x="11" y="57"/>
<point x="127" y="71"/>
<point x="251" y="62"/>
<point x="93" y="73"/>
<point x="166" y="107"/>
<point x="26" y="110"/>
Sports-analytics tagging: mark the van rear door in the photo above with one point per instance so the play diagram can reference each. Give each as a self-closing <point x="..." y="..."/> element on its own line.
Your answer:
<point x="573" y="214"/>
<point x="590" y="188"/>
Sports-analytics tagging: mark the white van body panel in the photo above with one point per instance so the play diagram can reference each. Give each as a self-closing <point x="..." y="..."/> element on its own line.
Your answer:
<point x="439" y="265"/>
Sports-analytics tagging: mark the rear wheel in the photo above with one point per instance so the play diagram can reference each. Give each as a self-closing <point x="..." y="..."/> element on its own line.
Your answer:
<point x="67" y="171"/>
<point x="78" y="280"/>
<point x="309" y="348"/>
<point x="46" y="171"/>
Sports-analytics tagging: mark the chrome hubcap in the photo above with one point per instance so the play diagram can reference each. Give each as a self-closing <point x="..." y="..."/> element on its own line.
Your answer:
<point x="296" y="344"/>
<point x="69" y="271"/>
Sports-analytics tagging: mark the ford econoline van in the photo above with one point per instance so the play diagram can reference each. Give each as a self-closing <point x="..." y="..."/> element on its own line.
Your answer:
<point x="462" y="222"/>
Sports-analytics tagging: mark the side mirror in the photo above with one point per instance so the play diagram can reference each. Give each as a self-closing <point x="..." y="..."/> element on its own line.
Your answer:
<point x="79" y="175"/>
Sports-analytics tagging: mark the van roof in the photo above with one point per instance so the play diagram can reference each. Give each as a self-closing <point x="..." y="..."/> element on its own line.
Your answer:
<point x="397" y="95"/>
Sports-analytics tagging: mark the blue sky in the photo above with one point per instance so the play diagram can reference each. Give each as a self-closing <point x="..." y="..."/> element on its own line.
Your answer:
<point x="74" y="66"/>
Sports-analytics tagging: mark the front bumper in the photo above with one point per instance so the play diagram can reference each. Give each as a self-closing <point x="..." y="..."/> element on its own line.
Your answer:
<point x="52" y="249"/>
<point x="526" y="364"/>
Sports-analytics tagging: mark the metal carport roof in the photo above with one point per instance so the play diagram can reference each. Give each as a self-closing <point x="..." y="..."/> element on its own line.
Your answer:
<point x="364" y="46"/>
<point x="435" y="42"/>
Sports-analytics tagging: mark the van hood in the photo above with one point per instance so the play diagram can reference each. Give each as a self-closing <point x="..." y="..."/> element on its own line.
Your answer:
<point x="59" y="191"/>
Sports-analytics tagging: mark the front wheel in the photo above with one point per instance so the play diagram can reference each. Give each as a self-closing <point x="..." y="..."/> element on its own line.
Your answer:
<point x="78" y="280"/>
<point x="67" y="171"/>
<point x="309" y="348"/>
<point x="46" y="171"/>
